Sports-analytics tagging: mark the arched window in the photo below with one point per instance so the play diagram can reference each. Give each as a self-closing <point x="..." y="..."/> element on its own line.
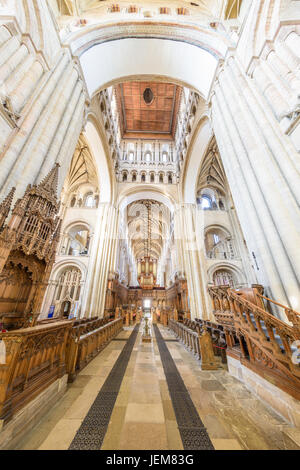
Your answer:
<point x="170" y="178"/>
<point x="143" y="178"/>
<point x="67" y="293"/>
<point x="161" y="178"/>
<point x="218" y="244"/>
<point x="131" y="156"/>
<point x="206" y="202"/>
<point x="152" y="178"/>
<point x="73" y="201"/>
<point x="216" y="238"/>
<point x="124" y="176"/>
<point x="133" y="177"/>
<point x="76" y="242"/>
<point x="89" y="200"/>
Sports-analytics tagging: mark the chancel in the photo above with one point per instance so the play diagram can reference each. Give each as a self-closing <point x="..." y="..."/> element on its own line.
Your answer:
<point x="149" y="225"/>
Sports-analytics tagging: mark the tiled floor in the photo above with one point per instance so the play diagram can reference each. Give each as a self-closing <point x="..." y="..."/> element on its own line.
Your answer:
<point x="143" y="416"/>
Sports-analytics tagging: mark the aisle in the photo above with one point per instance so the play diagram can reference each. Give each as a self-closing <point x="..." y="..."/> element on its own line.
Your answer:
<point x="143" y="416"/>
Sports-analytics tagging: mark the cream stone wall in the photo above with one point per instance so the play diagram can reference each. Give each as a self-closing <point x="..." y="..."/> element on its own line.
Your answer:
<point x="287" y="406"/>
<point x="44" y="114"/>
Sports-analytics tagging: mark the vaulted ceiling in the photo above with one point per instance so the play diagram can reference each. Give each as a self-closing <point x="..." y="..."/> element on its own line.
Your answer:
<point x="212" y="171"/>
<point x="82" y="168"/>
<point x="148" y="109"/>
<point x="148" y="227"/>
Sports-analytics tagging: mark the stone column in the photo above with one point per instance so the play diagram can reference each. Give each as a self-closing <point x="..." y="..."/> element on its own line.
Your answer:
<point x="26" y="87"/>
<point x="103" y="259"/>
<point x="191" y="236"/>
<point x="275" y="100"/>
<point x="293" y="42"/>
<point x="283" y="70"/>
<point x="261" y="165"/>
<point x="288" y="56"/>
<point x="24" y="140"/>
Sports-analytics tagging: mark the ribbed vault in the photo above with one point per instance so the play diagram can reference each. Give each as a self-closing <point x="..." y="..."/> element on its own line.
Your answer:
<point x="212" y="171"/>
<point x="82" y="168"/>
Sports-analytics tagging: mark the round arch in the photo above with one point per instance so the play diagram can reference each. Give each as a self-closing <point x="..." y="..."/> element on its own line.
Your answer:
<point x="65" y="264"/>
<point x="148" y="193"/>
<point x="166" y="59"/>
<point x="190" y="174"/>
<point x="229" y="267"/>
<point x="223" y="228"/>
<point x="76" y="222"/>
<point x="103" y="165"/>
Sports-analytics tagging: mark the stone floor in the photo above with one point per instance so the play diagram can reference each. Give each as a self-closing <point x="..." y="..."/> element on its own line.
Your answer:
<point x="143" y="416"/>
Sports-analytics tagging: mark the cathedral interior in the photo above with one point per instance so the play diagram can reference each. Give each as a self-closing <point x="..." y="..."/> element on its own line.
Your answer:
<point x="149" y="225"/>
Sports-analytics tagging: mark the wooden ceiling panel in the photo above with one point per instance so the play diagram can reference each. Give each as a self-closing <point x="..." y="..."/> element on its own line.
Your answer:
<point x="154" y="120"/>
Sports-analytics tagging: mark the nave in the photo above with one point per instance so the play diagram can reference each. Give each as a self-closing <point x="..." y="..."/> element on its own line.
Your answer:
<point x="143" y="416"/>
<point x="149" y="167"/>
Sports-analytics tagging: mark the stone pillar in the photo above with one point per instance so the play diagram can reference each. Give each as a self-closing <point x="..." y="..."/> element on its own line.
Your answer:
<point x="14" y="62"/>
<point x="283" y="70"/>
<point x="190" y="232"/>
<point x="178" y="239"/>
<point x="293" y="42"/>
<point x="25" y="88"/>
<point x="103" y="259"/>
<point x="269" y="90"/>
<point x="261" y="166"/>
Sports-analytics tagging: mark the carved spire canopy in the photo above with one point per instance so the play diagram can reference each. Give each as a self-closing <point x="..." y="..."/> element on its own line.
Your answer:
<point x="7" y="202"/>
<point x="49" y="184"/>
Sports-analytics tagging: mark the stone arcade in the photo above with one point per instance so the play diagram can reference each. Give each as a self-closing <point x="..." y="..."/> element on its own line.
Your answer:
<point x="149" y="225"/>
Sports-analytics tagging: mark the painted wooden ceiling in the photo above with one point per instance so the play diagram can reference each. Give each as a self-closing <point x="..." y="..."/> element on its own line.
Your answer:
<point x="155" y="119"/>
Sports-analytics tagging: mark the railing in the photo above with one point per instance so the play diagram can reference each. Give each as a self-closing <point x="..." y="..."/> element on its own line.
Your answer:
<point x="197" y="340"/>
<point x="291" y="315"/>
<point x="87" y="340"/>
<point x="257" y="338"/>
<point x="34" y="358"/>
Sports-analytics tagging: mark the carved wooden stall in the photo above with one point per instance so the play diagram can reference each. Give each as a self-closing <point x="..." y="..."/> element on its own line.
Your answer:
<point x="177" y="298"/>
<point x="28" y="243"/>
<point x="116" y="295"/>
<point x="257" y="338"/>
<point x="87" y="338"/>
<point x="35" y="358"/>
